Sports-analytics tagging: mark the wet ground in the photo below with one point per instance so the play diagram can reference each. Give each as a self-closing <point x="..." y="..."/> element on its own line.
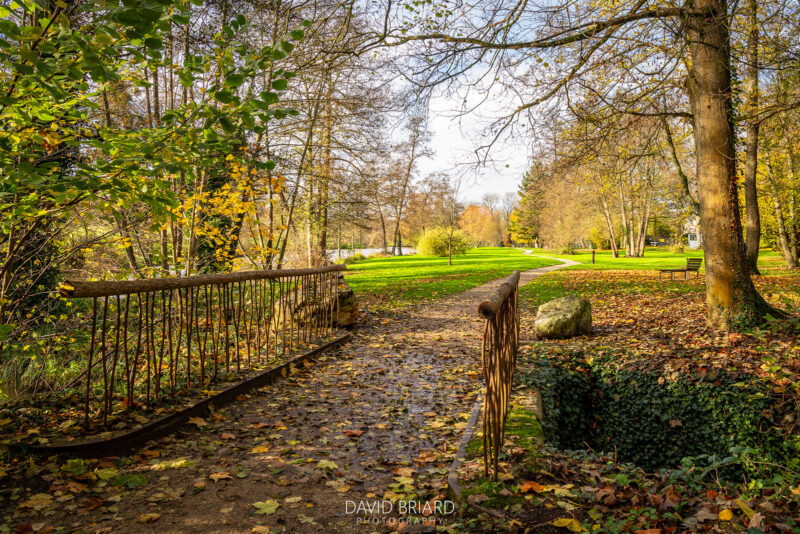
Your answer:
<point x="376" y="422"/>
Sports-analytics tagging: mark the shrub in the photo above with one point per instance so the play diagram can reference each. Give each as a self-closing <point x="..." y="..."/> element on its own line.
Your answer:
<point x="355" y="258"/>
<point x="599" y="238"/>
<point x="435" y="242"/>
<point x="678" y="248"/>
<point x="566" y="251"/>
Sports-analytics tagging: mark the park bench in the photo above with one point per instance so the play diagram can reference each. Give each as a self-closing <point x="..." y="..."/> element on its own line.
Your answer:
<point x="692" y="265"/>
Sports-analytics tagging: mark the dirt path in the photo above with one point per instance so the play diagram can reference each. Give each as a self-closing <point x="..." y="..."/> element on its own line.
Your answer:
<point x="378" y="419"/>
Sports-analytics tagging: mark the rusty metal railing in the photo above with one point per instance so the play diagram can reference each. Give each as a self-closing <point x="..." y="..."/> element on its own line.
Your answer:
<point x="163" y="336"/>
<point x="498" y="356"/>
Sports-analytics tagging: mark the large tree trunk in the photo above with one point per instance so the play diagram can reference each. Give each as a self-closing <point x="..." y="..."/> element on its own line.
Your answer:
<point x="751" y="156"/>
<point x="732" y="300"/>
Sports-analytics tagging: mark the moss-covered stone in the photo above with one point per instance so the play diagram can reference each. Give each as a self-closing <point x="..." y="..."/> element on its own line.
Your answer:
<point x="564" y="317"/>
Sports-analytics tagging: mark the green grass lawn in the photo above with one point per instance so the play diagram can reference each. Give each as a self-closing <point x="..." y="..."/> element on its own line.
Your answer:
<point x="654" y="258"/>
<point x="646" y="281"/>
<point x="386" y="283"/>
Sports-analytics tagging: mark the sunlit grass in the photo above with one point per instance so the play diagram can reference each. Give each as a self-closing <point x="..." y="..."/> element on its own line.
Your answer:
<point x="402" y="280"/>
<point x="654" y="258"/>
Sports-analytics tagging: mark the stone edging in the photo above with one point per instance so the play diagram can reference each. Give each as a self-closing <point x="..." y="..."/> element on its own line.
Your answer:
<point x="170" y="423"/>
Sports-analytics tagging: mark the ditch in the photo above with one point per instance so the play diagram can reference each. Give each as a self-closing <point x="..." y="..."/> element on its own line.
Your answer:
<point x="657" y="420"/>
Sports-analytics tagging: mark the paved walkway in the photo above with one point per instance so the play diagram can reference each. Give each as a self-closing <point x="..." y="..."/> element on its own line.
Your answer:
<point x="382" y="416"/>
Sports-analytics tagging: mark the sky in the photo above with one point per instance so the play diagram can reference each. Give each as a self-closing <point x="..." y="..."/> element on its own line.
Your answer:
<point x="454" y="139"/>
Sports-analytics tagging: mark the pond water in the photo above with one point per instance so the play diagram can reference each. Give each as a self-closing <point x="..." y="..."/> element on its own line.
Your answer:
<point x="333" y="254"/>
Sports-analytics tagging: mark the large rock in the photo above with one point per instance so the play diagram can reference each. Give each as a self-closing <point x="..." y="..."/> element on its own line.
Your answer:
<point x="564" y="317"/>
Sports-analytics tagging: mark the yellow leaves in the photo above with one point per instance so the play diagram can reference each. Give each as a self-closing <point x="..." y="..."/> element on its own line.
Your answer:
<point x="177" y="463"/>
<point x="569" y="523"/>
<point x="725" y="515"/>
<point x="796" y="491"/>
<point x="749" y="512"/>
<point x="260" y="449"/>
<point x="327" y="465"/>
<point x="556" y="489"/>
<point x="37" y="501"/>
<point x="266" y="507"/>
<point x="149" y="518"/>
<point x="198" y="421"/>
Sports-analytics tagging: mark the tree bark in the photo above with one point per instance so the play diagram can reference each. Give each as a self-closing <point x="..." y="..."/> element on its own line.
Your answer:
<point x="753" y="235"/>
<point x="732" y="300"/>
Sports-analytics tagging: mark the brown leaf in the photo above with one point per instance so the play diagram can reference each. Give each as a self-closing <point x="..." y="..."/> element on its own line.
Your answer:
<point x="477" y="498"/>
<point x="671" y="498"/>
<point x="227" y="435"/>
<point x="220" y="476"/>
<point x="404" y="471"/>
<point x="353" y="433"/>
<point x="757" y="521"/>
<point x="91" y="503"/>
<point x="198" y="421"/>
<point x="75" y="487"/>
<point x="259" y="426"/>
<point x="530" y="485"/>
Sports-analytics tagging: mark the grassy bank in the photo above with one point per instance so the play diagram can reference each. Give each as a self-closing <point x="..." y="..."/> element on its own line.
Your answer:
<point x="386" y="283"/>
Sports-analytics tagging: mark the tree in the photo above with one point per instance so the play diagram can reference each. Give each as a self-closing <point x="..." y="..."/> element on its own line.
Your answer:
<point x="637" y="32"/>
<point x="411" y="151"/>
<point x="480" y="224"/>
